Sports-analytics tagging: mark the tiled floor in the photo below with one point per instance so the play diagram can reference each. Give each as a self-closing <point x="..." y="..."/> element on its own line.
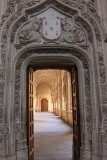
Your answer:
<point x="53" y="137"/>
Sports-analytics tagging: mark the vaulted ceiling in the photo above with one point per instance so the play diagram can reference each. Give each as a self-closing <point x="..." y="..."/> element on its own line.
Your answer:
<point x="48" y="76"/>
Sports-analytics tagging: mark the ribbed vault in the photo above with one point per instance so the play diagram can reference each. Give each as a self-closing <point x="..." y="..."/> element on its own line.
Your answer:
<point x="48" y="76"/>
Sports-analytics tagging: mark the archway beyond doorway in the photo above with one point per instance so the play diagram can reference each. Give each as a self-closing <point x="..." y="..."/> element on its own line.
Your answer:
<point x="57" y="60"/>
<point x="63" y="101"/>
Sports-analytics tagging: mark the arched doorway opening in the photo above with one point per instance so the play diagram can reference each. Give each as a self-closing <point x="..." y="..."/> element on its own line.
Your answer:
<point x="42" y="93"/>
<point x="58" y="60"/>
<point x="74" y="108"/>
<point x="44" y="105"/>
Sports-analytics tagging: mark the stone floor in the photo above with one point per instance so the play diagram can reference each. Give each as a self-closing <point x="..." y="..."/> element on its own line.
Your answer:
<point x="53" y="137"/>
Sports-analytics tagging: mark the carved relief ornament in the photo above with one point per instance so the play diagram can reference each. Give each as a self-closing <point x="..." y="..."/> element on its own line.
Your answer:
<point x="15" y="16"/>
<point x="46" y="30"/>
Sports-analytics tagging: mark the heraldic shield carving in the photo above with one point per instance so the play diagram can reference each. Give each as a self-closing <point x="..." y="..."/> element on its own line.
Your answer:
<point x="51" y="26"/>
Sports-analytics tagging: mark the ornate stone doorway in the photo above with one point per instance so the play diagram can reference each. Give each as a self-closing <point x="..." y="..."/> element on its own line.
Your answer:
<point x="57" y="59"/>
<point x="75" y="36"/>
<point x="75" y="102"/>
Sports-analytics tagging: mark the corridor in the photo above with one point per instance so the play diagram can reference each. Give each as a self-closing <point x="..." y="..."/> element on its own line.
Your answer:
<point x="53" y="137"/>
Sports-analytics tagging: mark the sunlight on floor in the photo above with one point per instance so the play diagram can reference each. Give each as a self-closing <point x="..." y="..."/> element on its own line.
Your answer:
<point x="53" y="137"/>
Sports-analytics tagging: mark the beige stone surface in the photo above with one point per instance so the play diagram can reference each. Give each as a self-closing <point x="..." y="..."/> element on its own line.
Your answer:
<point x="53" y="137"/>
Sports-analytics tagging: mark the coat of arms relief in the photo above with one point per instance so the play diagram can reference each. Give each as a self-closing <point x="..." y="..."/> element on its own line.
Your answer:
<point x="51" y="29"/>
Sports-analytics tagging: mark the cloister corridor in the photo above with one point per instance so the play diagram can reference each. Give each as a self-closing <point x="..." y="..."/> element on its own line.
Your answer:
<point x="52" y="92"/>
<point x="52" y="107"/>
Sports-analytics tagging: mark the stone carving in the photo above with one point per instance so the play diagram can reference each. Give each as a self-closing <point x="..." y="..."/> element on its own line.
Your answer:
<point x="63" y="29"/>
<point x="104" y="93"/>
<point x="104" y="109"/>
<point x="1" y="130"/>
<point x="85" y="26"/>
<point x="31" y="34"/>
<point x="1" y="100"/>
<point x="25" y="4"/>
<point x="91" y="5"/>
<point x="1" y="86"/>
<point x="102" y="75"/>
<point x="17" y="114"/>
<point x="78" y="55"/>
<point x="71" y="33"/>
<point x="4" y="131"/>
<point x="85" y="15"/>
<point x="1" y="74"/>
<point x="95" y="26"/>
<point x="1" y="115"/>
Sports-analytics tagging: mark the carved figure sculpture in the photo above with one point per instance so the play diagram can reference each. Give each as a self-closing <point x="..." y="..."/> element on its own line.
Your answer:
<point x="34" y="30"/>
<point x="32" y="33"/>
<point x="24" y="36"/>
<point x="71" y="33"/>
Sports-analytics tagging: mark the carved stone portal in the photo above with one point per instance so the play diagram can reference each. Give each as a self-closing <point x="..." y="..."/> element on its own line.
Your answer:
<point x="51" y="26"/>
<point x="64" y="29"/>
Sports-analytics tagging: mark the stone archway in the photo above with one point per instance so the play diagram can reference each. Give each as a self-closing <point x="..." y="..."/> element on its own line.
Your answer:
<point x="58" y="54"/>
